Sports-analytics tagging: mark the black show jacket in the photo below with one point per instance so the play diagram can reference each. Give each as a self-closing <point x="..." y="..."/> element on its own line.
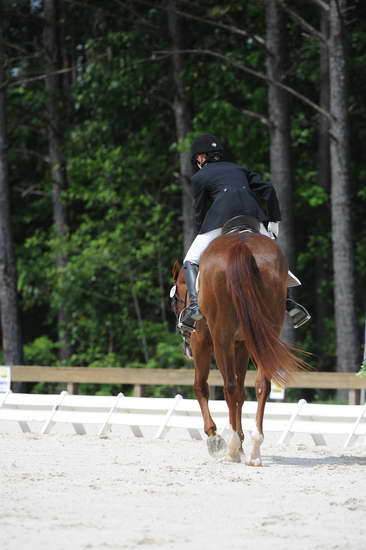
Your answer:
<point x="223" y="190"/>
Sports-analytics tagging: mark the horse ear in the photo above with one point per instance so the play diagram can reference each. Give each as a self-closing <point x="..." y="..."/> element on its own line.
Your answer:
<point x="175" y="270"/>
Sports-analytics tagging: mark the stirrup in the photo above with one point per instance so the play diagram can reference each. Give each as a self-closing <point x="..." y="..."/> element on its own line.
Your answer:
<point x="188" y="325"/>
<point x="191" y="312"/>
<point x="298" y="313"/>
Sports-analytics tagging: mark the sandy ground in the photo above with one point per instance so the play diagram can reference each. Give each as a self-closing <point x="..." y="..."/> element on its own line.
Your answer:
<point x="80" y="492"/>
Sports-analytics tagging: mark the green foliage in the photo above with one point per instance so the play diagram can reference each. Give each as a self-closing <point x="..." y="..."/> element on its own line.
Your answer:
<point x="169" y="354"/>
<point x="123" y="198"/>
<point x="42" y="351"/>
<point x="314" y="195"/>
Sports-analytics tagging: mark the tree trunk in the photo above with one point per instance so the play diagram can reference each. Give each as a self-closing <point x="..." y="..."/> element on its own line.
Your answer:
<point x="321" y="271"/>
<point x="279" y="118"/>
<point x="140" y="320"/>
<point x="348" y="359"/>
<point x="10" y="323"/>
<point x="182" y="123"/>
<point x="280" y="129"/>
<point x="55" y="140"/>
<point x="160" y="265"/>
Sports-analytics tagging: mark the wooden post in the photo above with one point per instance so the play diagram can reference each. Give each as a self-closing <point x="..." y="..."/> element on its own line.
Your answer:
<point x="138" y="390"/>
<point x="73" y="388"/>
<point x="212" y="392"/>
<point x="354" y="397"/>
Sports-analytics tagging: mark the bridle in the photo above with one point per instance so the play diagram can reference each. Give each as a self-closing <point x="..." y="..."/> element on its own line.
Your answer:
<point x="183" y="330"/>
<point x="176" y="299"/>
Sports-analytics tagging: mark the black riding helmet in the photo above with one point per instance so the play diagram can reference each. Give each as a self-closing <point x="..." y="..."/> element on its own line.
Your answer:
<point x="206" y="143"/>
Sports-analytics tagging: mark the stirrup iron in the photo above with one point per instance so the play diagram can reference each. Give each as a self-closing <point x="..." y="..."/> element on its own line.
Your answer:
<point x="299" y="315"/>
<point x="183" y="327"/>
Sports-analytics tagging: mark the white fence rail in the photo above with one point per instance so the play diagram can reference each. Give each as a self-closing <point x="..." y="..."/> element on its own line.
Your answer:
<point x="287" y="419"/>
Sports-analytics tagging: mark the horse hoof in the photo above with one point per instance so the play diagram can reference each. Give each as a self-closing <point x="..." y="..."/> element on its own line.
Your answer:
<point x="233" y="458"/>
<point x="234" y="448"/>
<point x="253" y="462"/>
<point x="216" y="445"/>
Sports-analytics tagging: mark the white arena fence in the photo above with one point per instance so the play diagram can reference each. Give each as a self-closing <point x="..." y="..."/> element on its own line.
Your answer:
<point x="287" y="419"/>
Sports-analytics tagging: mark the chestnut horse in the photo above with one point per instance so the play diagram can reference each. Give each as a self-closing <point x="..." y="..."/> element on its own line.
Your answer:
<point x="242" y="295"/>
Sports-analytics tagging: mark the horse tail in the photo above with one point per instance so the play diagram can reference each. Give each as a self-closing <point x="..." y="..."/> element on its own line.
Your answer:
<point x="256" y="319"/>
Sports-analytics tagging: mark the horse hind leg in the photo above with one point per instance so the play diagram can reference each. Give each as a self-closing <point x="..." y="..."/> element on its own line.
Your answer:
<point x="262" y="388"/>
<point x="241" y="365"/>
<point x="235" y="395"/>
<point x="233" y="398"/>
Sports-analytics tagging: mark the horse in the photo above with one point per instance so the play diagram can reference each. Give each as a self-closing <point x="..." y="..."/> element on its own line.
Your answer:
<point x="242" y="295"/>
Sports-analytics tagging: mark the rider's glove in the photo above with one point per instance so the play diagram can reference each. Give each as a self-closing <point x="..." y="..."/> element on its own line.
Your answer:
<point x="273" y="229"/>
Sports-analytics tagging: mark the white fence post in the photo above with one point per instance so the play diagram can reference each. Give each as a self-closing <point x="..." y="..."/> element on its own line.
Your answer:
<point x="352" y="436"/>
<point x="162" y="430"/>
<point x="287" y="434"/>
<point x="24" y="426"/>
<point x="4" y="397"/>
<point x="48" y="424"/>
<point x="103" y="430"/>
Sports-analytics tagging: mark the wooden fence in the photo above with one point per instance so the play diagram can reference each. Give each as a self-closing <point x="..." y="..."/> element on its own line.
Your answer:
<point x="139" y="377"/>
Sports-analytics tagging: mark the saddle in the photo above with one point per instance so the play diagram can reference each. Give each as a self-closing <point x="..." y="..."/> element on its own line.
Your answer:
<point x="241" y="223"/>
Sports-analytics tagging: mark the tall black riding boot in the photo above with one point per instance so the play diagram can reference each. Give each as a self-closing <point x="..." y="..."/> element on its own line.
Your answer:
<point x="297" y="312"/>
<point x="192" y="312"/>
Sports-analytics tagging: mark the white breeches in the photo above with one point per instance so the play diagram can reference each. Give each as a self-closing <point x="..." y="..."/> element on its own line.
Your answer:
<point x="200" y="244"/>
<point x="202" y="241"/>
<point x="263" y="231"/>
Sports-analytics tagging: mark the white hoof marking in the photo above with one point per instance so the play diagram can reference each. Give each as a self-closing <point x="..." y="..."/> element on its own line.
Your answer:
<point x="254" y="458"/>
<point x="234" y="448"/>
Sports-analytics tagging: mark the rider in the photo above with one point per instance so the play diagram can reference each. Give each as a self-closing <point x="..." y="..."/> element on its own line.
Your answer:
<point x="223" y="190"/>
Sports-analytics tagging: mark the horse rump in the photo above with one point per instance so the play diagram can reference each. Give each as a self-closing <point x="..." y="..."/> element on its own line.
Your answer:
<point x="258" y="293"/>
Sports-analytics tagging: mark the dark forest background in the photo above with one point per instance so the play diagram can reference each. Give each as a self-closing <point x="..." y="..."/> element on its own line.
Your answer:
<point x="99" y="101"/>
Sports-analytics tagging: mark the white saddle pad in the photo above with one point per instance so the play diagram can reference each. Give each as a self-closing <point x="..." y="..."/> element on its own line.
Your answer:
<point x="292" y="280"/>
